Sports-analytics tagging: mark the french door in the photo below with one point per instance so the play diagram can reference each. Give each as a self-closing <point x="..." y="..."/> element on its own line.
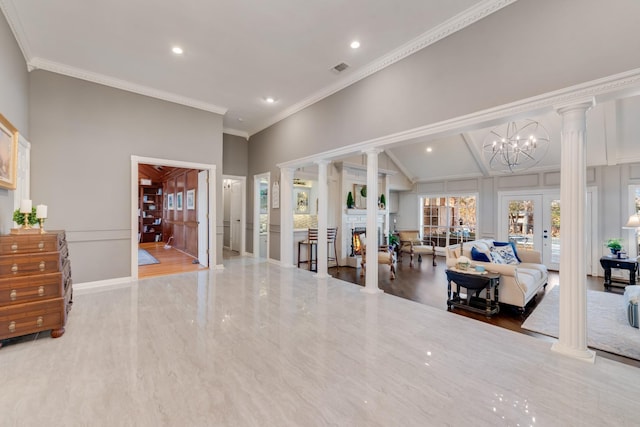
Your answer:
<point x="532" y="222"/>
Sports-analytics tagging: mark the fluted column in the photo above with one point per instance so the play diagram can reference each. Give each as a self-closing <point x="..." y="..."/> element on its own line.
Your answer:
<point x="371" y="277"/>
<point x="572" y="339"/>
<point x="323" y="195"/>
<point x="286" y="217"/>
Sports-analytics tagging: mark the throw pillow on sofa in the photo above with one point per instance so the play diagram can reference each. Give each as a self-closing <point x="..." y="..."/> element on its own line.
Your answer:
<point x="506" y="253"/>
<point x="477" y="255"/>
<point x="496" y="258"/>
<point x="513" y="246"/>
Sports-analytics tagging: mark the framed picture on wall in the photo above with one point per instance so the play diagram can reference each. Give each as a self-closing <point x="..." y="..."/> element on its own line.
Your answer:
<point x="360" y="196"/>
<point x="8" y="154"/>
<point x="191" y="199"/>
<point x="301" y="200"/>
<point x="179" y="201"/>
<point x="170" y="201"/>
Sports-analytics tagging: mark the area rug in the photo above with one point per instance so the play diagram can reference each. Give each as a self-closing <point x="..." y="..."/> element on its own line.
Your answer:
<point x="145" y="258"/>
<point x="607" y="325"/>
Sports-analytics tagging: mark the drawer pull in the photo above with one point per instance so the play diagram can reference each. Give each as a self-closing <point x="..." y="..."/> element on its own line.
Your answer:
<point x="12" y="327"/>
<point x="41" y="291"/>
<point x="41" y="245"/>
<point x="42" y="265"/>
<point x="14" y="268"/>
<point x="13" y="295"/>
<point x="14" y="247"/>
<point x="39" y="322"/>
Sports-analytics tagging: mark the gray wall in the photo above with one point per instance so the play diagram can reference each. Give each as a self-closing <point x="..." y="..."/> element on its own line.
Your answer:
<point x="14" y="104"/>
<point x="490" y="63"/>
<point x="83" y="135"/>
<point x="234" y="155"/>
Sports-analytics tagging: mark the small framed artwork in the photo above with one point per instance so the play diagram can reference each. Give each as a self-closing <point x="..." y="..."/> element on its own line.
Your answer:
<point x="170" y="201"/>
<point x="360" y="195"/>
<point x="191" y="199"/>
<point x="301" y="200"/>
<point x="8" y="154"/>
<point x="179" y="201"/>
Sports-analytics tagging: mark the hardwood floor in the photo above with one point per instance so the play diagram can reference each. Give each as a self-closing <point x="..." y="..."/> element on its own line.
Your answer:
<point x="172" y="261"/>
<point x="428" y="285"/>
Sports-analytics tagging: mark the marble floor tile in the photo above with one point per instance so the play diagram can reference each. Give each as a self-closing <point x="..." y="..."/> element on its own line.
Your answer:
<point x="259" y="345"/>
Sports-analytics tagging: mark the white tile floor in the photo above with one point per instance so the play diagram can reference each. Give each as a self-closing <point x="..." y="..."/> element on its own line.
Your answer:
<point x="258" y="345"/>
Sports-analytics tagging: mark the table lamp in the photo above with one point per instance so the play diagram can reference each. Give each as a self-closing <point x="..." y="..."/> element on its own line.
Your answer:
<point x="634" y="223"/>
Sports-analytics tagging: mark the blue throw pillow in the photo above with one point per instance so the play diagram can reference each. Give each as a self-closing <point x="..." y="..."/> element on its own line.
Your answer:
<point x="476" y="255"/>
<point x="513" y="246"/>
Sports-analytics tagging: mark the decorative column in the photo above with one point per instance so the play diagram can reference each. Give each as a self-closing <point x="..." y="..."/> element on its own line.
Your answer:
<point x="286" y="217"/>
<point x="323" y="195"/>
<point x="572" y="339"/>
<point x="371" y="277"/>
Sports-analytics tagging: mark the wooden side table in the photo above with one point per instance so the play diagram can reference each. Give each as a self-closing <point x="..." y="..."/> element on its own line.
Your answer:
<point x="474" y="283"/>
<point x="624" y="264"/>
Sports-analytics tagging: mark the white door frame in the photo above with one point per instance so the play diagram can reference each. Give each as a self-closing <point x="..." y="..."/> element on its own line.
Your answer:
<point x="243" y="213"/>
<point x="256" y="212"/>
<point x="135" y="161"/>
<point x="591" y="220"/>
<point x="202" y="213"/>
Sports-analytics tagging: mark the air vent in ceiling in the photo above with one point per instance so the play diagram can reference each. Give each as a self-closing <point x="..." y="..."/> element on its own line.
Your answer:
<point x="340" y="67"/>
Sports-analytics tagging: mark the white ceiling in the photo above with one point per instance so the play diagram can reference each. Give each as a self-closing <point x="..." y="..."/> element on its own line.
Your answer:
<point x="238" y="52"/>
<point x="613" y="131"/>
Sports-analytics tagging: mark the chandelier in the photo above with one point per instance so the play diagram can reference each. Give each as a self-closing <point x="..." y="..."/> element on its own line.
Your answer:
<point x="516" y="146"/>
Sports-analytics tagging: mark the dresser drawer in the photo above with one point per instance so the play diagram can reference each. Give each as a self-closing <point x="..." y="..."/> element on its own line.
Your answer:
<point x="21" y="289"/>
<point x="20" y="244"/>
<point x="37" y="263"/>
<point x="31" y="317"/>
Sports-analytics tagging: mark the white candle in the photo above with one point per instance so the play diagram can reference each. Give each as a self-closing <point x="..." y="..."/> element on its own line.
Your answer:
<point x="25" y="206"/>
<point x="41" y="211"/>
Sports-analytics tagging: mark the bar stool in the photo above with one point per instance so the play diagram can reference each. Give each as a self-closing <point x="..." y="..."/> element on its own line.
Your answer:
<point x="311" y="242"/>
<point x="312" y="249"/>
<point x="332" y="236"/>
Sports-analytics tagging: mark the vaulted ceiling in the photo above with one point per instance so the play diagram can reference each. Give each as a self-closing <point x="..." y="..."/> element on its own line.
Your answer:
<point x="235" y="53"/>
<point x="613" y="134"/>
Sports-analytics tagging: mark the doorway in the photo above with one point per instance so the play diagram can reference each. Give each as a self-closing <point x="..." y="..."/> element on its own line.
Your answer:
<point x="181" y="200"/>
<point x="235" y="207"/>
<point x="261" y="220"/>
<point x="531" y="219"/>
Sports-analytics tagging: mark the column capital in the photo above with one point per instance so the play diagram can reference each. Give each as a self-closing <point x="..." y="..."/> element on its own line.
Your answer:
<point x="322" y="162"/>
<point x="287" y="169"/>
<point x="576" y="104"/>
<point x="374" y="150"/>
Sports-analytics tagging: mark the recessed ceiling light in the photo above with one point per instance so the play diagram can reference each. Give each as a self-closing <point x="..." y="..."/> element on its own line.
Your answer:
<point x="177" y="50"/>
<point x="355" y="44"/>
<point x="429" y="149"/>
<point x="269" y="100"/>
<point x="240" y="119"/>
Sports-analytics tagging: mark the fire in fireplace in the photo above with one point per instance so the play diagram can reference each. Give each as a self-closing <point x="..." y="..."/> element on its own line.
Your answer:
<point x="356" y="240"/>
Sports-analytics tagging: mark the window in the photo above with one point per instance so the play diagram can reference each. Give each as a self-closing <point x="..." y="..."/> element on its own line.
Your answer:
<point x="447" y="220"/>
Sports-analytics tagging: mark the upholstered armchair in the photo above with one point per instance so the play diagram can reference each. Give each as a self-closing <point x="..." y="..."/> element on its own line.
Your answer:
<point x="412" y="244"/>
<point x="386" y="256"/>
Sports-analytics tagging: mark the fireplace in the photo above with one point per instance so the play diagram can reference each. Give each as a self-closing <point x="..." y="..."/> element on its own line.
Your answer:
<point x="357" y="240"/>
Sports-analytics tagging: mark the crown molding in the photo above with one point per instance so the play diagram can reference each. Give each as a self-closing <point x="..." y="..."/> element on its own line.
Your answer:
<point x="9" y="11"/>
<point x="236" y="132"/>
<point x="55" y="67"/>
<point x="457" y="23"/>
<point x="626" y="83"/>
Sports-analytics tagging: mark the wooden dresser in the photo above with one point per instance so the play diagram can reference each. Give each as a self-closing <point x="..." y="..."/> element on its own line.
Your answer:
<point x="35" y="284"/>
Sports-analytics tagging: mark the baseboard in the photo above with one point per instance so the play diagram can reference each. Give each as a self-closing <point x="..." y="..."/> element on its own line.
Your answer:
<point x="101" y="285"/>
<point x="273" y="261"/>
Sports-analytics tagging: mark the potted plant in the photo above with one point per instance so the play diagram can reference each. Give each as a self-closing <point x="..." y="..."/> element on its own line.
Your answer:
<point x="350" y="202"/>
<point x="614" y="245"/>
<point x="383" y="201"/>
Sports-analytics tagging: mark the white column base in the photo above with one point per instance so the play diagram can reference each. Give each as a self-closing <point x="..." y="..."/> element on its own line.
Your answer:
<point x="584" y="355"/>
<point x="322" y="276"/>
<point x="371" y="290"/>
<point x="288" y="265"/>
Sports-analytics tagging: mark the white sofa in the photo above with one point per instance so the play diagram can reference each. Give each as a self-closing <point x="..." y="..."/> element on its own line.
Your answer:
<point x="519" y="283"/>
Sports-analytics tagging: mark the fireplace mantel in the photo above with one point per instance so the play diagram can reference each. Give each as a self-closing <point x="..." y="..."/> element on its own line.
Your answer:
<point x="363" y="211"/>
